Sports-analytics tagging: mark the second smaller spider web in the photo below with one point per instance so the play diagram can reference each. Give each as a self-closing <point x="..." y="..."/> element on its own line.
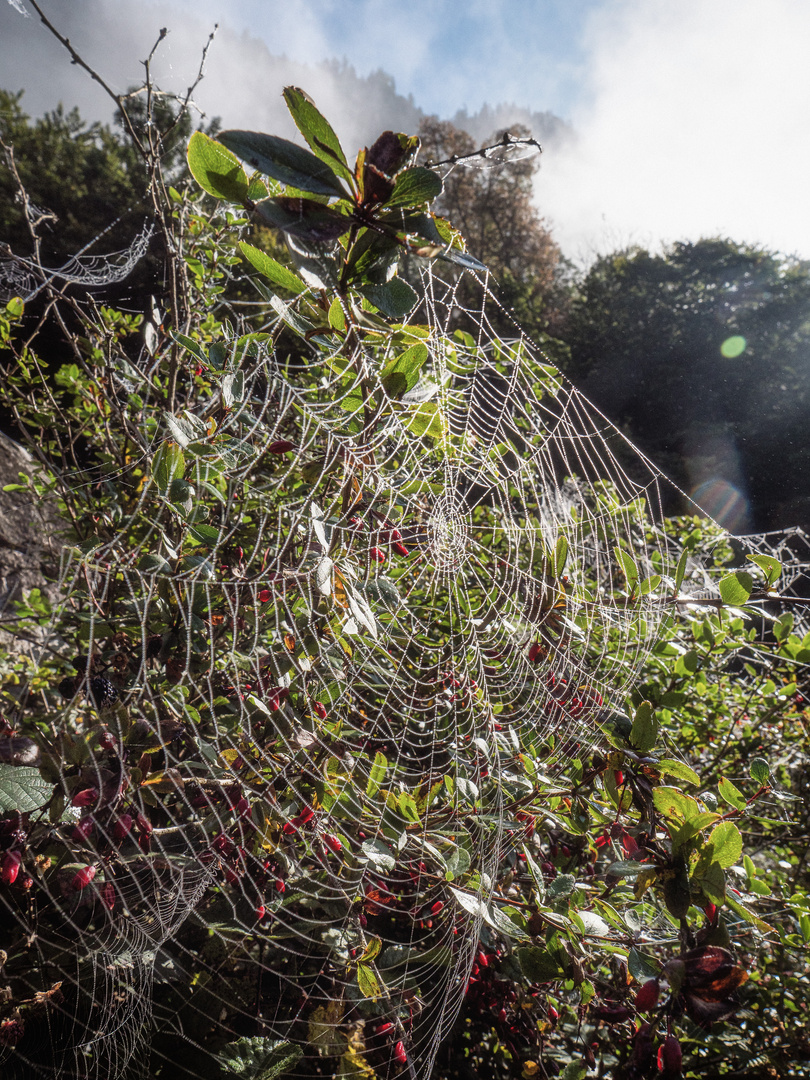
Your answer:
<point x="26" y="279"/>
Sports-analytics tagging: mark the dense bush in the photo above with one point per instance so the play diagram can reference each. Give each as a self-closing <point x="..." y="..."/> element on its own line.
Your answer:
<point x="354" y="732"/>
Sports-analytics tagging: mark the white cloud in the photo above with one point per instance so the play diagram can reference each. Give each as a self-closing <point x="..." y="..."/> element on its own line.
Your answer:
<point x="695" y="120"/>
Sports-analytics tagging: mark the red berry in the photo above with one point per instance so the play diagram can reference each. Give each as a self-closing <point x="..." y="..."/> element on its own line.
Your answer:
<point x="400" y="549"/>
<point x="670" y="1057"/>
<point x="242" y="808"/>
<point x="264" y="596"/>
<point x="82" y="878"/>
<point x="710" y="912"/>
<point x="10" y="867"/>
<point x="333" y="844"/>
<point x="85" y="797"/>
<point x="260" y="912"/>
<point x="280" y="886"/>
<point x="647" y="996"/>
<point x="377" y="555"/>
<point x="383" y="1029"/>
<point x="122" y="827"/>
<point x="320" y="710"/>
<point x="535" y="652"/>
<point x="83" y="828"/>
<point x="618" y="776"/>
<point x="399" y="1054"/>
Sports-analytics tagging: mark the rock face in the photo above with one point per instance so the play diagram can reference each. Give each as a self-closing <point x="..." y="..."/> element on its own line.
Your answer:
<point x="28" y="551"/>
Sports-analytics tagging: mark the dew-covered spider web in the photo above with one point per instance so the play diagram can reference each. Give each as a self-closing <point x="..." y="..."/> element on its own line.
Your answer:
<point x="365" y="602"/>
<point x="26" y="278"/>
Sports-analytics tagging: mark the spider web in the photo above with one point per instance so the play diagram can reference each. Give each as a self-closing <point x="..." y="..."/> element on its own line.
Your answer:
<point x="328" y="744"/>
<point x="26" y="278"/>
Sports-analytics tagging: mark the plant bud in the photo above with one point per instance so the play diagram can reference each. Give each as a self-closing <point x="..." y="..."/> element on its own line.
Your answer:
<point x="10" y="867"/>
<point x="82" y="878"/>
<point x="83" y="829"/>
<point x="647" y="996"/>
<point x="670" y="1057"/>
<point x="85" y="797"/>
<point x="122" y="827"/>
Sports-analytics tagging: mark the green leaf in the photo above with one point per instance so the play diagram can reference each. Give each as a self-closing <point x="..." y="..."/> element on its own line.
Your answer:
<point x="501" y="922"/>
<point x="731" y="795"/>
<point x="628" y="566"/>
<point x="709" y="877"/>
<point x="167" y="464"/>
<point x="560" y="555"/>
<point x="15" y="307"/>
<point x="395" y="298"/>
<point x="284" y="161"/>
<point x="379" y="855"/>
<point x="371" y="951"/>
<point x="193" y="347"/>
<point x="414" y="186"/>
<point x="680" y="570"/>
<point x="644" y="732"/>
<point x="407" y="807"/>
<point x="367" y="981"/>
<point x="642" y="967"/>
<point x="759" y="770"/>
<point x="22" y="789"/>
<point x="574" y="1070"/>
<point x="649" y="584"/>
<point x="769" y="566"/>
<point x="427" y="419"/>
<point x="736" y="588"/>
<point x="783" y="626"/>
<point x="727" y="843"/>
<point x="539" y="965"/>
<point x="272" y="270"/>
<point x="402" y="373"/>
<point x="205" y="534"/>
<point x="679" y="769"/>
<point x="748" y="915"/>
<point x="233" y="389"/>
<point x="624" y="868"/>
<point x="216" y="169"/>
<point x="673" y="803"/>
<point x="307" y="218"/>
<point x="336" y="316"/>
<point x="318" y="132"/>
<point x="259" y="1058"/>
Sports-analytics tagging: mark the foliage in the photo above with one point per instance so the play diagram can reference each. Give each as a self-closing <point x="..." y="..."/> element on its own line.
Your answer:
<point x="700" y="353"/>
<point x="209" y="699"/>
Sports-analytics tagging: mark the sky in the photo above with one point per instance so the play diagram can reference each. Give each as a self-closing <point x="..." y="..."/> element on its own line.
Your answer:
<point x="690" y="117"/>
